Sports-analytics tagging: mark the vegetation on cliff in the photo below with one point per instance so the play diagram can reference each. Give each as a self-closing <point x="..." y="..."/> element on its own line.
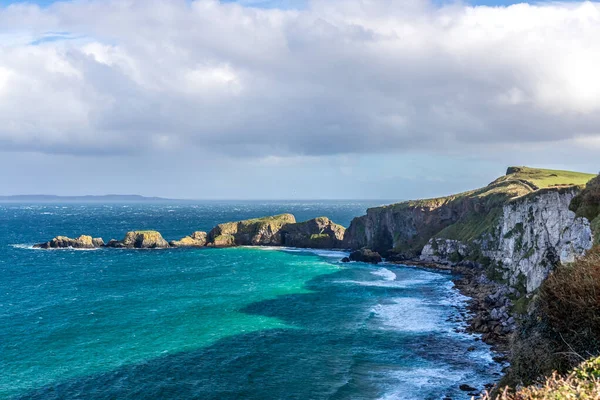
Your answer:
<point x="587" y="204"/>
<point x="564" y="326"/>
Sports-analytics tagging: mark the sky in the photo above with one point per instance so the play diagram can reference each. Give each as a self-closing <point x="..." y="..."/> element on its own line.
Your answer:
<point x="293" y="99"/>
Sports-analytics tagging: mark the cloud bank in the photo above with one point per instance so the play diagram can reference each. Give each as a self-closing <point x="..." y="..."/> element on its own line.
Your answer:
<point x="333" y="78"/>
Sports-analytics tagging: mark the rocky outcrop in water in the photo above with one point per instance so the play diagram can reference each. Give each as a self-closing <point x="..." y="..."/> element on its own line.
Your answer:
<point x="63" y="242"/>
<point x="252" y="232"/>
<point x="140" y="240"/>
<point x="196" y="239"/>
<point x="278" y="230"/>
<point x="365" y="255"/>
<point x="317" y="233"/>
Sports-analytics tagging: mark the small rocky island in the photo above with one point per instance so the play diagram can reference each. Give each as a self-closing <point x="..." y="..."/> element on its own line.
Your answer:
<point x="278" y="230"/>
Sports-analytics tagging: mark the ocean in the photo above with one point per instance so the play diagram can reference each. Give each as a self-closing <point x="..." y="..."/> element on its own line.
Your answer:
<point x="238" y="323"/>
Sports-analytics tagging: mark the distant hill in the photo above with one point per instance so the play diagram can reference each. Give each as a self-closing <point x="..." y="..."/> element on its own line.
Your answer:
<point x="109" y="198"/>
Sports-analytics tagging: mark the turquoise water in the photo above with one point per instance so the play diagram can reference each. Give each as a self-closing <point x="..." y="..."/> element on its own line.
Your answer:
<point x="250" y="323"/>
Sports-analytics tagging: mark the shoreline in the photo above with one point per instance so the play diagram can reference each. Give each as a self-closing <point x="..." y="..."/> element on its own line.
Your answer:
<point x="473" y="284"/>
<point x="484" y="296"/>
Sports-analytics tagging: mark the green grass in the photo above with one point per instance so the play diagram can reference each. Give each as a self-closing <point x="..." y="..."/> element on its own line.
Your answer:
<point x="547" y="178"/>
<point x="282" y="218"/>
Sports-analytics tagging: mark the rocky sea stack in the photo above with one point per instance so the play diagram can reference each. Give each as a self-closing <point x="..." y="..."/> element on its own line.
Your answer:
<point x="278" y="230"/>
<point x="264" y="231"/>
<point x="63" y="242"/>
<point x="365" y="255"/>
<point x="317" y="233"/>
<point x="140" y="240"/>
<point x="196" y="239"/>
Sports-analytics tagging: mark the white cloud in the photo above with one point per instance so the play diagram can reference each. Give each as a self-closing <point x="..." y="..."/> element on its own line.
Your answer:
<point x="336" y="77"/>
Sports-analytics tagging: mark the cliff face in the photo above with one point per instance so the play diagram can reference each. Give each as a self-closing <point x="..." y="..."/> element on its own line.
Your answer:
<point x="532" y="235"/>
<point x="406" y="227"/>
<point x="519" y="226"/>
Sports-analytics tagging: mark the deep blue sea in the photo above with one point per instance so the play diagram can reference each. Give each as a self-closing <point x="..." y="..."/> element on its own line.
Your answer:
<point x="241" y="323"/>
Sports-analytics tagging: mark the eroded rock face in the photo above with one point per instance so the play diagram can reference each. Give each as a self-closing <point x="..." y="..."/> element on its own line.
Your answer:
<point x="537" y="232"/>
<point x="141" y="240"/>
<point x="317" y="233"/>
<point x="264" y="231"/>
<point x="533" y="234"/>
<point x="63" y="242"/>
<point x="196" y="239"/>
<point x="365" y="255"/>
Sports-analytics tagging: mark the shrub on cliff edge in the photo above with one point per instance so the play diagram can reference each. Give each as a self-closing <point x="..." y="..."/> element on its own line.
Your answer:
<point x="582" y="383"/>
<point x="587" y="204"/>
<point x="570" y="301"/>
<point x="564" y="329"/>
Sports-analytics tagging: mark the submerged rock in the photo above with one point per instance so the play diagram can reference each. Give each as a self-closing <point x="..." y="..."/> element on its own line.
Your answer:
<point x="318" y="233"/>
<point x="196" y="239"/>
<point x="467" y="388"/>
<point x="63" y="242"/>
<point x="114" y="243"/>
<point x="366" y="255"/>
<point x="140" y="240"/>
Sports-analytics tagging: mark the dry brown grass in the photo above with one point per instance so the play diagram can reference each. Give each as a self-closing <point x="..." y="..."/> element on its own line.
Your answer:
<point x="582" y="383"/>
<point x="564" y="330"/>
<point x="570" y="301"/>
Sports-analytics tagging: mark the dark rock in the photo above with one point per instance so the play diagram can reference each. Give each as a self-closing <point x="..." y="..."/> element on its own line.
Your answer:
<point x="317" y="233"/>
<point x="467" y="388"/>
<point x="114" y="244"/>
<point x="393" y="256"/>
<point x="345" y="260"/>
<point x="366" y="255"/>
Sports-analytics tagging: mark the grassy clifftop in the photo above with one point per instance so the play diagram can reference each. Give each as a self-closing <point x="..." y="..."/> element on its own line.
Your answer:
<point x="545" y="178"/>
<point x="517" y="182"/>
